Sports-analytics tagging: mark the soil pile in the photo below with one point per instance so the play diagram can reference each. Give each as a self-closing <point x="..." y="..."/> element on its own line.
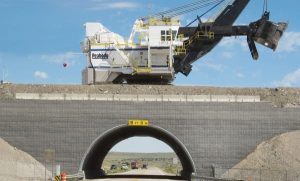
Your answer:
<point x="17" y="165"/>
<point x="277" y="159"/>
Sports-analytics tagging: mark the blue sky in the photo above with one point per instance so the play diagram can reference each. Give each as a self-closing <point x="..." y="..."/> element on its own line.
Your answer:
<point x="137" y="145"/>
<point x="38" y="36"/>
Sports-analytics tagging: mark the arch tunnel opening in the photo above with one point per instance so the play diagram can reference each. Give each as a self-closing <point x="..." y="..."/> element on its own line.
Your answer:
<point x="93" y="159"/>
<point x="143" y="156"/>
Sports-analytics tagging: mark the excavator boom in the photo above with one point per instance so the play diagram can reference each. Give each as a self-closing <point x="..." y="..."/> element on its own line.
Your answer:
<point x="261" y="31"/>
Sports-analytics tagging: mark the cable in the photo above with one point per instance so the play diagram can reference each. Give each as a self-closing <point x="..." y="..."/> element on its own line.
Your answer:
<point x="195" y="8"/>
<point x="265" y="6"/>
<point x="205" y="13"/>
<point x="181" y="7"/>
<point x="187" y="8"/>
<point x="178" y="8"/>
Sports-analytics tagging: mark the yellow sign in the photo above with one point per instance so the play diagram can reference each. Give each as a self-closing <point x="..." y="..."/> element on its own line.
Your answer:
<point x="138" y="122"/>
<point x="57" y="178"/>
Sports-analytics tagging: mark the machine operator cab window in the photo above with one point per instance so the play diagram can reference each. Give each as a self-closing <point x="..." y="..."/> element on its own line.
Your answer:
<point x="168" y="35"/>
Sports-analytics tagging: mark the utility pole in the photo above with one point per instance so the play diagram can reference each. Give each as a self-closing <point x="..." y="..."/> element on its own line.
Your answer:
<point x="4" y="75"/>
<point x="2" y="80"/>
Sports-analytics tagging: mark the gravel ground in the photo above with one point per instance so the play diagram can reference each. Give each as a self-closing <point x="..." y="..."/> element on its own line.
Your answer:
<point x="277" y="159"/>
<point x="17" y="165"/>
<point x="280" y="97"/>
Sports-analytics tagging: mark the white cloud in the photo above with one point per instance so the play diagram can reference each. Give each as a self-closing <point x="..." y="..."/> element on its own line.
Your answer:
<point x="100" y="5"/>
<point x="227" y="55"/>
<point x="122" y="5"/>
<point x="40" y="75"/>
<point x="231" y="42"/>
<point x="290" y="42"/>
<point x="215" y="67"/>
<point x="240" y="75"/>
<point x="69" y="57"/>
<point x="196" y="68"/>
<point x="291" y="79"/>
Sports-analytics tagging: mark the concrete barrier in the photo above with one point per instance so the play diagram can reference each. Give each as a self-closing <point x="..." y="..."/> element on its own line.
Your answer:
<point x="223" y="98"/>
<point x="125" y="97"/>
<point x="150" y="98"/>
<point x="140" y="98"/>
<point x="28" y="96"/>
<point x="174" y="98"/>
<point x="101" y="97"/>
<point x="247" y="98"/>
<point x="198" y="98"/>
<point x="81" y="97"/>
<point x="52" y="97"/>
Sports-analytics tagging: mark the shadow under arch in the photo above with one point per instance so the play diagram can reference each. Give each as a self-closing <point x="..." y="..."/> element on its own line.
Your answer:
<point x="96" y="153"/>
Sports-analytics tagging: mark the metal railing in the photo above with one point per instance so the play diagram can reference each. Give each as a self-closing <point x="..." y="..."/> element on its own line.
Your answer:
<point x="77" y="176"/>
<point x="199" y="35"/>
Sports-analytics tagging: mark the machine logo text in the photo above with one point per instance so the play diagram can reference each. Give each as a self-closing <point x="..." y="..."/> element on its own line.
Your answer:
<point x="99" y="56"/>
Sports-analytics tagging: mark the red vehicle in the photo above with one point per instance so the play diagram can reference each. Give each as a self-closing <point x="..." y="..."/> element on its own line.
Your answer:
<point x="134" y="165"/>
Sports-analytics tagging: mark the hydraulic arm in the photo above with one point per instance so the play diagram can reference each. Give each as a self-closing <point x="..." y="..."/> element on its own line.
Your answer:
<point x="203" y="38"/>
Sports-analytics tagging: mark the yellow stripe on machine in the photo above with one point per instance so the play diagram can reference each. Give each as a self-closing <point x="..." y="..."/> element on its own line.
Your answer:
<point x="138" y="122"/>
<point x="57" y="178"/>
<point x="143" y="70"/>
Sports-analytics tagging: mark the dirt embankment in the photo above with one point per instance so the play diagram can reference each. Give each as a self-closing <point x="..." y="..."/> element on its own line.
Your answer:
<point x="280" y="97"/>
<point x="277" y="159"/>
<point x="16" y="165"/>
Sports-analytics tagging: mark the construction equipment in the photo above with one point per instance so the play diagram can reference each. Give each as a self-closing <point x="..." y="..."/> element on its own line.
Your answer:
<point x="159" y="47"/>
<point x="134" y="165"/>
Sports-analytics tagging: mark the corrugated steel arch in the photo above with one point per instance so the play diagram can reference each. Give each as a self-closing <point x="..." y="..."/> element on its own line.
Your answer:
<point x="95" y="154"/>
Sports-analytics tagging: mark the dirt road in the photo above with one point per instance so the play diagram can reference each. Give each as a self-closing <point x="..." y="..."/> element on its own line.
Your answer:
<point x="149" y="171"/>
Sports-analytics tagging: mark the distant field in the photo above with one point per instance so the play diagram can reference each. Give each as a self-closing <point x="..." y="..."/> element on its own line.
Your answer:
<point x="164" y="161"/>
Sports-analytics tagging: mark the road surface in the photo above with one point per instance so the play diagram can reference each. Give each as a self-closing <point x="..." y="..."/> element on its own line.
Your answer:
<point x="149" y="171"/>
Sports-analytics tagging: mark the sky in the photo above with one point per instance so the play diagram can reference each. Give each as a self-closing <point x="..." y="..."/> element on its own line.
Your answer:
<point x="38" y="36"/>
<point x="137" y="145"/>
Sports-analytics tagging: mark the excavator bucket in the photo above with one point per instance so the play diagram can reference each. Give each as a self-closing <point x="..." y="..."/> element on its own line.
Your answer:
<point x="266" y="33"/>
<point x="269" y="33"/>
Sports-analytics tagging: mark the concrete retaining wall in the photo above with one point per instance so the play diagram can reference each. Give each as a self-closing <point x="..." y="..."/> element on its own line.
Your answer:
<point x="143" y="98"/>
<point x="215" y="133"/>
